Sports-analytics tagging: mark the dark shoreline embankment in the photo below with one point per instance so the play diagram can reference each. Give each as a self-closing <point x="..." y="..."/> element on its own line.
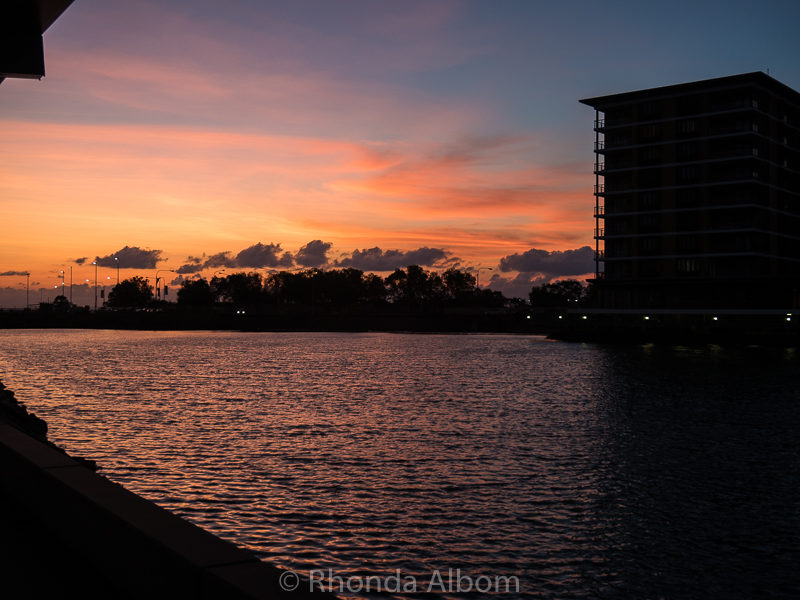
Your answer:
<point x="720" y="327"/>
<point x="68" y="531"/>
<point x="427" y="322"/>
<point x="723" y="327"/>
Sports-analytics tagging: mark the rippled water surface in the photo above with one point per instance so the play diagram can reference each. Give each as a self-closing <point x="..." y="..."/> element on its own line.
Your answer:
<point x="586" y="471"/>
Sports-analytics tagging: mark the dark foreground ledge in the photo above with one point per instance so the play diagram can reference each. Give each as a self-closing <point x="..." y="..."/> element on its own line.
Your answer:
<point x="67" y="529"/>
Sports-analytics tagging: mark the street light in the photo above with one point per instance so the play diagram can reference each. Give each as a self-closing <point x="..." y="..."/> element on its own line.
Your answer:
<point x="158" y="289"/>
<point x="95" y="285"/>
<point x="117" y="261"/>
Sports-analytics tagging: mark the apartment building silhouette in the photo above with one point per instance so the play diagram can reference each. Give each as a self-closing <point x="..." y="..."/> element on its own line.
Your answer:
<point x="697" y="195"/>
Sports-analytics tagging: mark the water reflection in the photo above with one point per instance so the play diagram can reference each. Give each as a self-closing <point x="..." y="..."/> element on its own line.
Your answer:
<point x="587" y="471"/>
<point x="701" y="473"/>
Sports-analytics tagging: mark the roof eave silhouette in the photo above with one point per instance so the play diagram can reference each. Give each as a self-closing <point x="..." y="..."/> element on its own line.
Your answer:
<point x="22" y="23"/>
<point x="757" y="77"/>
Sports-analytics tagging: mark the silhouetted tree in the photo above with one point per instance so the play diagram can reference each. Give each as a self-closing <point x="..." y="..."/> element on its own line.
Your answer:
<point x="415" y="286"/>
<point x="244" y="289"/>
<point x="133" y="292"/>
<point x="487" y="298"/>
<point x="374" y="289"/>
<point x="293" y="288"/>
<point x="62" y="304"/>
<point x="340" y="287"/>
<point x="557" y="293"/>
<point x="195" y="292"/>
<point x="458" y="283"/>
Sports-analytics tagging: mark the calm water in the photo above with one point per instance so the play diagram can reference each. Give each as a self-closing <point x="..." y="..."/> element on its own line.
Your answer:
<point x="586" y="471"/>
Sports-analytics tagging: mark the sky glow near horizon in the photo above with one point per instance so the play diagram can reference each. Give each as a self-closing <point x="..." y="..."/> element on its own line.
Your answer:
<point x="197" y="128"/>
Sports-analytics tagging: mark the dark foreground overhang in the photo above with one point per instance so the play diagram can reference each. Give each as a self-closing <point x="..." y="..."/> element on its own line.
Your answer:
<point x="22" y="23"/>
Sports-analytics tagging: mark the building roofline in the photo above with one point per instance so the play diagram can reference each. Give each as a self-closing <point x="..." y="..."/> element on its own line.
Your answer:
<point x="49" y="11"/>
<point x="757" y="77"/>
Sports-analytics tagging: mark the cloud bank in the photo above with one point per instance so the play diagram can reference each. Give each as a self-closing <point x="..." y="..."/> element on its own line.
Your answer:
<point x="257" y="256"/>
<point x="313" y="254"/>
<point x="376" y="259"/>
<point x="555" y="263"/>
<point x="130" y="257"/>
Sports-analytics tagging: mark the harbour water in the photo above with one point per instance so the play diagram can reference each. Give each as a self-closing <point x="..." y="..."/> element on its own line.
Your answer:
<point x="583" y="471"/>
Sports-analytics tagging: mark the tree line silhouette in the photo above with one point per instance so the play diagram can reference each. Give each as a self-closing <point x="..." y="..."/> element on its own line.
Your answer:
<point x="411" y="288"/>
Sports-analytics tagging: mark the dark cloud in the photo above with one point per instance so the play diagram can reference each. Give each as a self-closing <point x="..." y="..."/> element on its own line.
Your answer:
<point x="194" y="264"/>
<point x="180" y="279"/>
<point x="14" y="274"/>
<point x="131" y="257"/>
<point x="518" y="286"/>
<point x="189" y="268"/>
<point x="375" y="259"/>
<point x="550" y="264"/>
<point x="220" y="259"/>
<point x="260" y="255"/>
<point x="80" y="261"/>
<point x="256" y="256"/>
<point x="313" y="254"/>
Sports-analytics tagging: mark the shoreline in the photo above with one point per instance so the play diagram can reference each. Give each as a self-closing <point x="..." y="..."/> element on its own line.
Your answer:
<point x="113" y="543"/>
<point x="768" y="328"/>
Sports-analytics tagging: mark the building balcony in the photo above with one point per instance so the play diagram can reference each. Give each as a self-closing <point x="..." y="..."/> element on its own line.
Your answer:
<point x="599" y="212"/>
<point x="599" y="167"/>
<point x="600" y="255"/>
<point x="599" y="233"/>
<point x="599" y="188"/>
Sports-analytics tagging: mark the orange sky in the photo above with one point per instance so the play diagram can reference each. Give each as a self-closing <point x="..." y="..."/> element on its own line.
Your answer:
<point x="181" y="128"/>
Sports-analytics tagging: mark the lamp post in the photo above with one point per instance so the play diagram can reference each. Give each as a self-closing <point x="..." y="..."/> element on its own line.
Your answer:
<point x="116" y="260"/>
<point x="27" y="290"/>
<point x="62" y="282"/>
<point x="95" y="285"/>
<point x="158" y="289"/>
<point x="70" y="285"/>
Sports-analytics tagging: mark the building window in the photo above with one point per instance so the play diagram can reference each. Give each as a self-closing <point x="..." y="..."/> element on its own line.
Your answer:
<point x="649" y="245"/>
<point x="687" y="242"/>
<point x="618" y="226"/>
<point x="687" y="151"/>
<point x="688" y="126"/>
<point x="650" y="131"/>
<point x="649" y="222"/>
<point x="648" y="200"/>
<point x="649" y="268"/>
<point x="650" y="109"/>
<point x="650" y="154"/>
<point x="687" y="174"/>
<point x="687" y="198"/>
<point x="689" y="104"/>
<point x="687" y="266"/>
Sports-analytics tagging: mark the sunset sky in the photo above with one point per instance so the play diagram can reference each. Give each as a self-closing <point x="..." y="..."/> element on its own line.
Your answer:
<point x="193" y="135"/>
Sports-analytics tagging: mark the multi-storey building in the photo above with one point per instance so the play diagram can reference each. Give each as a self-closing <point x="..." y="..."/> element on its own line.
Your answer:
<point x="697" y="195"/>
